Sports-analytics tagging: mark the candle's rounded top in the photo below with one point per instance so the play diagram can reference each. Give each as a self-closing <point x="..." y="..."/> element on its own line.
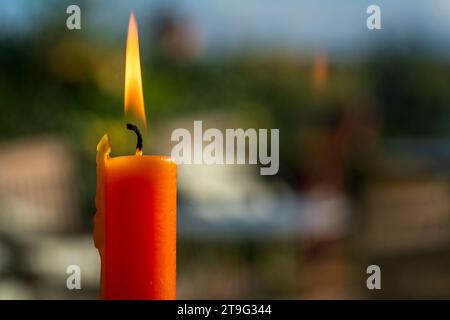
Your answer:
<point x="103" y="148"/>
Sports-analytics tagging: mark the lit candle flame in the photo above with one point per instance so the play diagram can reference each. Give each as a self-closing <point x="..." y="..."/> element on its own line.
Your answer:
<point x="134" y="99"/>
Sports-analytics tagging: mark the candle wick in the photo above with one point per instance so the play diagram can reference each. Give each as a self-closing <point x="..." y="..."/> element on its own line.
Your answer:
<point x="134" y="128"/>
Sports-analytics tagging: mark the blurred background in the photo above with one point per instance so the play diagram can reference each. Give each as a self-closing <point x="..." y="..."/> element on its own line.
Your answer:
<point x="364" y="119"/>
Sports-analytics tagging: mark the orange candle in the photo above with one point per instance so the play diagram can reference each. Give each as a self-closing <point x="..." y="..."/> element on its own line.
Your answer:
<point x="135" y="223"/>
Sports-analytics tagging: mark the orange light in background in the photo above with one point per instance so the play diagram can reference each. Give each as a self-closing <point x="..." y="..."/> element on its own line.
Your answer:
<point x="134" y="98"/>
<point x="320" y="72"/>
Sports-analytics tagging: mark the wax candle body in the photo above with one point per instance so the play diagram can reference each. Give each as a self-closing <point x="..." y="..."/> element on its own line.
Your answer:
<point x="138" y="248"/>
